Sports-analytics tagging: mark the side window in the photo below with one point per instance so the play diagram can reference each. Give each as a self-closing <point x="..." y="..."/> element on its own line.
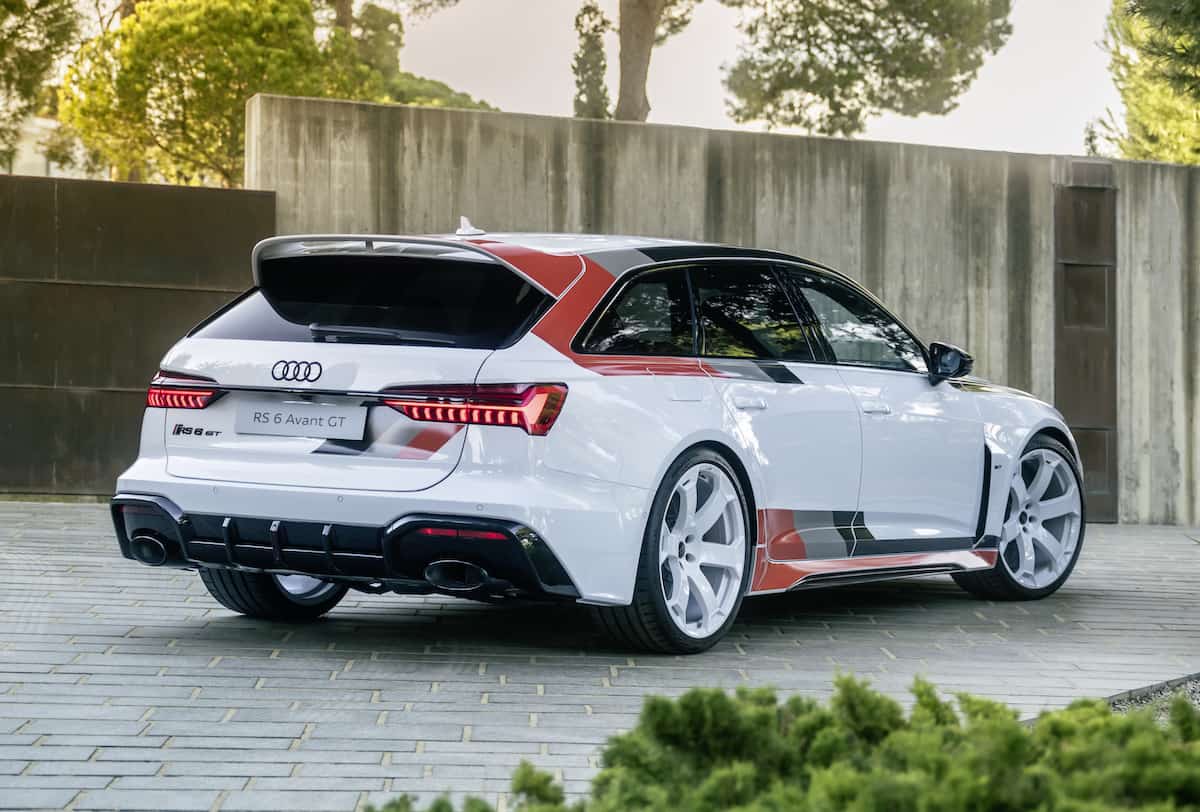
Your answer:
<point x="858" y="331"/>
<point x="745" y="313"/>
<point x="652" y="316"/>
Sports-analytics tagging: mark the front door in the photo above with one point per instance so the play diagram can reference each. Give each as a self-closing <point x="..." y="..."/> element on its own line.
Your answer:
<point x="797" y="415"/>
<point x="922" y="445"/>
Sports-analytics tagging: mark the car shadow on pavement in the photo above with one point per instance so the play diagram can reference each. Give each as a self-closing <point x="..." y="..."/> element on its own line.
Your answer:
<point x="437" y="625"/>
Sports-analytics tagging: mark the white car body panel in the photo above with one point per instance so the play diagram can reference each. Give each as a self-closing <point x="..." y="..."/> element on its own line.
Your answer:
<point x="922" y="459"/>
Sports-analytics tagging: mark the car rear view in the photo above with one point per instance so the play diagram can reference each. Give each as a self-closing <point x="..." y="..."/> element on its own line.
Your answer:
<point x="293" y="442"/>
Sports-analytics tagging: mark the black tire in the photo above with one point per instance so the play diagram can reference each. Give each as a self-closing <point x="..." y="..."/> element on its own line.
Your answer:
<point x="258" y="595"/>
<point x="645" y="624"/>
<point x="997" y="583"/>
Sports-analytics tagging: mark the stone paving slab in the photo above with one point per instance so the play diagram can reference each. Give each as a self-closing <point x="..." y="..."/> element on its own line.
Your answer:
<point x="127" y="687"/>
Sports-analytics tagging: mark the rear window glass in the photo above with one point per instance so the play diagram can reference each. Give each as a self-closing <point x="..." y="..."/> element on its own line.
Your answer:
<point x="382" y="300"/>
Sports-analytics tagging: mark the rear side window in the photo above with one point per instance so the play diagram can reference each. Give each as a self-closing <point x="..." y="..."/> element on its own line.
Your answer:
<point x="745" y="313"/>
<point x="382" y="300"/>
<point x="651" y="316"/>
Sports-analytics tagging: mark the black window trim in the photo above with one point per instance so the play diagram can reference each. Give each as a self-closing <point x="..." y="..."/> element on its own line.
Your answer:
<point x="614" y="293"/>
<point x="775" y="263"/>
<point x="814" y="351"/>
<point x="854" y="287"/>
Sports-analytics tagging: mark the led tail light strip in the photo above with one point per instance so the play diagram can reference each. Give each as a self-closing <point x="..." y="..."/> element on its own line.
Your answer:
<point x="530" y="407"/>
<point x="171" y="390"/>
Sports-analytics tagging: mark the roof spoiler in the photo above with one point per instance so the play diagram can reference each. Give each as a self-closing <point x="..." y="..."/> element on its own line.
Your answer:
<point x="379" y="245"/>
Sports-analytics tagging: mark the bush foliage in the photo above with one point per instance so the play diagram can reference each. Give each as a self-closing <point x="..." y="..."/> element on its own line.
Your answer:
<point x="861" y="752"/>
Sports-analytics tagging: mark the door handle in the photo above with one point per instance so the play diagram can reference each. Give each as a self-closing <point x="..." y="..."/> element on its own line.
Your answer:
<point x="875" y="407"/>
<point x="749" y="403"/>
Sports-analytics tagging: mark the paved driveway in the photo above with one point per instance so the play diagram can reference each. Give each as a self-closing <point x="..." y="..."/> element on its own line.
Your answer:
<point x="122" y="686"/>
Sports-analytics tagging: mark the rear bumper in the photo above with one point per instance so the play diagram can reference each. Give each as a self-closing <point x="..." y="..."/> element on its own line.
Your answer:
<point x="513" y="559"/>
<point x="564" y="536"/>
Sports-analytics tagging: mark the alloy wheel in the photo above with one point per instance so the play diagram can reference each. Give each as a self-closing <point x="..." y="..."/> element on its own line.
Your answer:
<point x="303" y="588"/>
<point x="1042" y="520"/>
<point x="702" y="550"/>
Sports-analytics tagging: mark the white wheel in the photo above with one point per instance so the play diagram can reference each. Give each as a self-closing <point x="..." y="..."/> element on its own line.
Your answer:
<point x="1042" y="534"/>
<point x="1042" y="519"/>
<point x="695" y="560"/>
<point x="702" y="550"/>
<point x="290" y="598"/>
<point x="304" y="588"/>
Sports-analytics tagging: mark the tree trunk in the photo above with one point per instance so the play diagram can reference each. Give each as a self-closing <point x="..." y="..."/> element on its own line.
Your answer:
<point x="638" y="21"/>
<point x="343" y="14"/>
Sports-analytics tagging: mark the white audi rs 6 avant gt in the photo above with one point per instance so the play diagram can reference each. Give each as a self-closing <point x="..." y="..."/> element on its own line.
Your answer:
<point x="650" y="427"/>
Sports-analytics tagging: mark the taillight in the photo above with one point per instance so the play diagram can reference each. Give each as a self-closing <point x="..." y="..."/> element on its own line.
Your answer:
<point x="531" y="407"/>
<point x="171" y="390"/>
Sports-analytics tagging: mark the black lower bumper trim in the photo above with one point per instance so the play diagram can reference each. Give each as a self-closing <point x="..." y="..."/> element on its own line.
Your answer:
<point x="518" y="561"/>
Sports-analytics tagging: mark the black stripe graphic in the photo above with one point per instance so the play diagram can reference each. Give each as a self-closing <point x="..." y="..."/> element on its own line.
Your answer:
<point x="901" y="546"/>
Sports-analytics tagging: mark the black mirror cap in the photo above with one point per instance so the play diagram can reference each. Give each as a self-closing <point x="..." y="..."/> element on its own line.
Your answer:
<point x="948" y="361"/>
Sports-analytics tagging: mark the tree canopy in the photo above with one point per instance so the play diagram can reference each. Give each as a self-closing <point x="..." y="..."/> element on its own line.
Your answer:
<point x="163" y="93"/>
<point x="167" y="88"/>
<point x="825" y="65"/>
<point x="590" y="63"/>
<point x="829" y="65"/>
<point x="1170" y="40"/>
<point x="1162" y="120"/>
<point x="33" y="36"/>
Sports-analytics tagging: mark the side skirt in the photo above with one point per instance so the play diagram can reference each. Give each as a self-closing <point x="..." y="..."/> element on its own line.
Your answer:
<point x="782" y="576"/>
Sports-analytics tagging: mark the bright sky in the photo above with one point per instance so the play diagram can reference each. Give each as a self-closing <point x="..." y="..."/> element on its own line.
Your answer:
<point x="1036" y="95"/>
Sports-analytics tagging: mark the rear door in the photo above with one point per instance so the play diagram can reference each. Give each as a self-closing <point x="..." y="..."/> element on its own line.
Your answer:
<point x="922" y="445"/>
<point x="301" y="365"/>
<point x="800" y="417"/>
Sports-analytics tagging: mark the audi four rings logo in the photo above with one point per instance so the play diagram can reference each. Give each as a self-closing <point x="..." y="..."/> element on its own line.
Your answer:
<point x="296" y="371"/>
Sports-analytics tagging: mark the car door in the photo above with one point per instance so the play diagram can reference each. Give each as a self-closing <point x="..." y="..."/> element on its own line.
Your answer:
<point x="794" y="411"/>
<point x="922" y="444"/>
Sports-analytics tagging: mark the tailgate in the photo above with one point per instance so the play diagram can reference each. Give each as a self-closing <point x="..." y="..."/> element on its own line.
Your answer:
<point x="324" y="433"/>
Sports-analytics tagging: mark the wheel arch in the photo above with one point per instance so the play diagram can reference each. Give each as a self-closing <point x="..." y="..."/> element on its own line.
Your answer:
<point x="1059" y="435"/>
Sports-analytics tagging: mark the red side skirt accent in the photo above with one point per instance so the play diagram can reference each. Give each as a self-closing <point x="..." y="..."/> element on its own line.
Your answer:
<point x="773" y="576"/>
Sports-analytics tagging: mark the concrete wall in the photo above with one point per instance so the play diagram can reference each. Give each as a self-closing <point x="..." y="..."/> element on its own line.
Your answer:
<point x="96" y="281"/>
<point x="959" y="242"/>
<point x="1158" y="341"/>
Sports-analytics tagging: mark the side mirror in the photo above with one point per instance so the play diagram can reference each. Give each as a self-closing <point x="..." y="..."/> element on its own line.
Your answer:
<point x="948" y="361"/>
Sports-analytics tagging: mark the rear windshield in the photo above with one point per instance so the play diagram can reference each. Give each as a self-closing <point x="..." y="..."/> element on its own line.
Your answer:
<point x="382" y="300"/>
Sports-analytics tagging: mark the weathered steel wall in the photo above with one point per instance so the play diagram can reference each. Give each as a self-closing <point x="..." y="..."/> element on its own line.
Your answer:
<point x="97" y="280"/>
<point x="961" y="243"/>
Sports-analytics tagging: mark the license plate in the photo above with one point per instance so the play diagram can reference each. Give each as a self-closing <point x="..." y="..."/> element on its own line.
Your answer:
<point x="302" y="420"/>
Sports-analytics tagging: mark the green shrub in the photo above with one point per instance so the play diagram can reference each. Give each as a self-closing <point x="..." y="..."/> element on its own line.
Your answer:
<point x="750" y="752"/>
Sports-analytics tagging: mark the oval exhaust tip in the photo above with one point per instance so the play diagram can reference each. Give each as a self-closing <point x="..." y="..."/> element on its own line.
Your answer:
<point x="148" y="550"/>
<point x="452" y="575"/>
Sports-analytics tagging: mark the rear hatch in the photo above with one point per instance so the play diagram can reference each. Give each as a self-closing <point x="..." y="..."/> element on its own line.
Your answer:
<point x="298" y="366"/>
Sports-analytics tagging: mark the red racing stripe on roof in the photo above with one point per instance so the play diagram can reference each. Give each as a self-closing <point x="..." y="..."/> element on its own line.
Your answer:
<point x="554" y="272"/>
<point x="560" y="326"/>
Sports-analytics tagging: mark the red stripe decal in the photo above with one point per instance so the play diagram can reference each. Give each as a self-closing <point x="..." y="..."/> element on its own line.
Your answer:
<point x="777" y="530"/>
<point x="778" y="575"/>
<point x="558" y="328"/>
<point x="554" y="272"/>
<point x="429" y="441"/>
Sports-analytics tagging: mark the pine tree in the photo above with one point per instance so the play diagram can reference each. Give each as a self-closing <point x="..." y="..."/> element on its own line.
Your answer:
<point x="590" y="64"/>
